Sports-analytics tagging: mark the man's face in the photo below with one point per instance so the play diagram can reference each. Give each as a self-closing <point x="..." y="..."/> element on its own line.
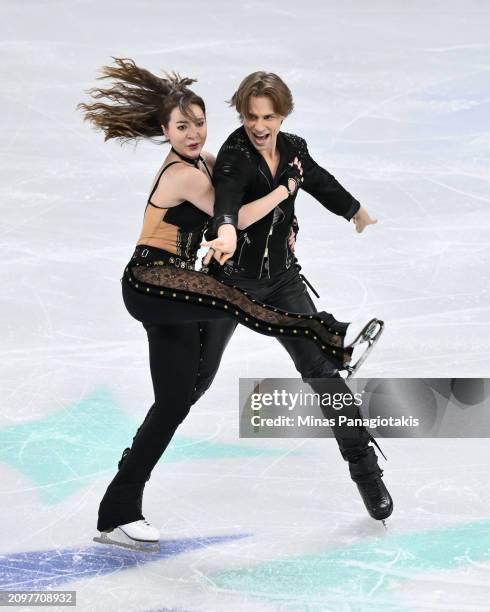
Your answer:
<point x="262" y="124"/>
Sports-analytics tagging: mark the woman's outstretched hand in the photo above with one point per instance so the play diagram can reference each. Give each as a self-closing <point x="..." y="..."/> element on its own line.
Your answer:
<point x="222" y="247"/>
<point x="362" y="219"/>
<point x="292" y="179"/>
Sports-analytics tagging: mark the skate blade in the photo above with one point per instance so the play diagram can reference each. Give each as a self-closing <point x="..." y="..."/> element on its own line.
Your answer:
<point x="371" y="342"/>
<point x="147" y="547"/>
<point x="368" y="332"/>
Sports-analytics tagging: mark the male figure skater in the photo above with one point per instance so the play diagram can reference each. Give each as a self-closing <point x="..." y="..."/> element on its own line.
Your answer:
<point x="248" y="166"/>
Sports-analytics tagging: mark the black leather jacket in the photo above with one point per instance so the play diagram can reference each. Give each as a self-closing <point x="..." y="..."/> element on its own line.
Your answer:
<point x="242" y="175"/>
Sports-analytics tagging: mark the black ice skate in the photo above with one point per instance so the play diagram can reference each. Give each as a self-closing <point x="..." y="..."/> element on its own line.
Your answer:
<point x="376" y="498"/>
<point x="369" y="335"/>
<point x="367" y="475"/>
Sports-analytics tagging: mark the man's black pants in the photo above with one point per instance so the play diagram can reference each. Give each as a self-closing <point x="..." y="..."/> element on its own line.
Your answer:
<point x="287" y="291"/>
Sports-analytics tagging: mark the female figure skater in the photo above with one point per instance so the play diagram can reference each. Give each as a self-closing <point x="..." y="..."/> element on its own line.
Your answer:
<point x="177" y="305"/>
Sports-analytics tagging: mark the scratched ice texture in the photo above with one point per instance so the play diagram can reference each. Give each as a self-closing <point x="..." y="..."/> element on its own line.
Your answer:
<point x="393" y="99"/>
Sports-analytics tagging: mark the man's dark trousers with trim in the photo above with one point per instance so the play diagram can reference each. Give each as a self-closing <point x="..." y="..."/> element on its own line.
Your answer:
<point x="288" y="291"/>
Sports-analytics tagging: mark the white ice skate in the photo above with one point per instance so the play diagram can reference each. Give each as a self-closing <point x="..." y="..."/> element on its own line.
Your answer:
<point x="362" y="343"/>
<point x="139" y="536"/>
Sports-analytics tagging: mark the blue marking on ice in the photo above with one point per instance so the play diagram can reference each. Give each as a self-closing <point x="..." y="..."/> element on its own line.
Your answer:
<point x="44" y="569"/>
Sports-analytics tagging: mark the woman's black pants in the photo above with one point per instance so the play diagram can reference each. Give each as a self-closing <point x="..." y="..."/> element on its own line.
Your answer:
<point x="175" y="353"/>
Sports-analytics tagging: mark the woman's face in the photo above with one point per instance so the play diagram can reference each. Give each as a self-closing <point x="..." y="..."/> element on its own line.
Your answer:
<point x="187" y="134"/>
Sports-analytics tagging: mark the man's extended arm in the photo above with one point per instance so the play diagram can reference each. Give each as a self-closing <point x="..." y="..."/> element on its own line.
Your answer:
<point x="230" y="178"/>
<point x="325" y="188"/>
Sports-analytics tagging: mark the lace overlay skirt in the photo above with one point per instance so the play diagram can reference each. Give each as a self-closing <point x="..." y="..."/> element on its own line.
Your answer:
<point x="182" y="285"/>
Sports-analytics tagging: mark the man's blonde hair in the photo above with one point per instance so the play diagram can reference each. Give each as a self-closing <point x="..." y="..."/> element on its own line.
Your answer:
<point x="263" y="84"/>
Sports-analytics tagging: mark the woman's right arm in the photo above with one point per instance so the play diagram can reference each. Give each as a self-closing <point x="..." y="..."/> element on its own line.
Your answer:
<point x="250" y="213"/>
<point x="193" y="186"/>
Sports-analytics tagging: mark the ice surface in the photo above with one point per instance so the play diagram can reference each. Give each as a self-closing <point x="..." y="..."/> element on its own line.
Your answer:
<point x="393" y="99"/>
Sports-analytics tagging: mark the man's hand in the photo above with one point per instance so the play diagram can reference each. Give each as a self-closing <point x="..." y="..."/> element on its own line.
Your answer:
<point x="362" y="219"/>
<point x="222" y="247"/>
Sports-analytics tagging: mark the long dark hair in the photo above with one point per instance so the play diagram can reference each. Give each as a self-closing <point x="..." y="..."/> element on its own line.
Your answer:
<point x="140" y="102"/>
